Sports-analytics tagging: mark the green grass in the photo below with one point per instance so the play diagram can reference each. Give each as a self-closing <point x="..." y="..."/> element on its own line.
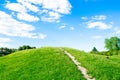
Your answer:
<point x="97" y="65"/>
<point x="49" y="63"/>
<point x="38" y="64"/>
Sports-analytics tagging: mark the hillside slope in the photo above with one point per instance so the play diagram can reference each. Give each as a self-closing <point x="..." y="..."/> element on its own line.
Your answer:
<point x="38" y="64"/>
<point x="98" y="65"/>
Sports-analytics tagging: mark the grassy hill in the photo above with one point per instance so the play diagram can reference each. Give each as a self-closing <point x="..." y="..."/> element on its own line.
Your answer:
<point x="97" y="65"/>
<point x="38" y="64"/>
<point x="50" y="63"/>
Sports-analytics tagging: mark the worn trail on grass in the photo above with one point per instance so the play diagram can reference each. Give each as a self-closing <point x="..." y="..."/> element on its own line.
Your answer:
<point x="80" y="68"/>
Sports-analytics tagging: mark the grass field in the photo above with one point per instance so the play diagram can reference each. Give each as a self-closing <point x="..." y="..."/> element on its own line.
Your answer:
<point x="38" y="64"/>
<point x="49" y="63"/>
<point x="98" y="66"/>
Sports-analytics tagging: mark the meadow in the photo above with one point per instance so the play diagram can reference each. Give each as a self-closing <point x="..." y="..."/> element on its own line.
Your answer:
<point x="38" y="64"/>
<point x="50" y="63"/>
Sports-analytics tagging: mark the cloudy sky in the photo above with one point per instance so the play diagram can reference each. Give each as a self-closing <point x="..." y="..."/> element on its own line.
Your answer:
<point x="80" y="24"/>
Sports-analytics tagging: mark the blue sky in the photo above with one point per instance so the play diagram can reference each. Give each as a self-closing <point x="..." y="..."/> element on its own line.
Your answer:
<point x="80" y="24"/>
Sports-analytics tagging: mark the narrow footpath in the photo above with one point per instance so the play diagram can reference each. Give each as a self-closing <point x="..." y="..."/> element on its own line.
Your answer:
<point x="80" y="68"/>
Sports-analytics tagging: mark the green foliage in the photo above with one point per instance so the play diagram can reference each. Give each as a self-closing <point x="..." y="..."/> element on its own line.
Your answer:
<point x="94" y="50"/>
<point x="113" y="45"/>
<point x="38" y="64"/>
<point x="5" y="51"/>
<point x="98" y="65"/>
<point x="24" y="47"/>
<point x="106" y="53"/>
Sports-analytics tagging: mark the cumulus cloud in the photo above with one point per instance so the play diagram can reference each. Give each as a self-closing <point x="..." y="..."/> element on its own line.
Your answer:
<point x="17" y="7"/>
<point x="11" y="27"/>
<point x="29" y="5"/>
<point x="62" y="6"/>
<point x="47" y="10"/>
<point x="27" y="17"/>
<point x="51" y="17"/>
<point x="98" y="21"/>
<point x="99" y="25"/>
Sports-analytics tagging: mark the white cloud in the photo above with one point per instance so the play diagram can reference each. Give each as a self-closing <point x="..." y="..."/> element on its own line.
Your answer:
<point x="47" y="10"/>
<point x="28" y="5"/>
<point x="33" y="1"/>
<point x="99" y="17"/>
<point x="97" y="37"/>
<point x="55" y="15"/>
<point x="16" y="7"/>
<point x="98" y="21"/>
<point x="27" y="17"/>
<point x="99" y="24"/>
<point x="11" y="27"/>
<point x="62" y="27"/>
<point x="60" y="6"/>
<point x="51" y="17"/>
<point x="72" y="28"/>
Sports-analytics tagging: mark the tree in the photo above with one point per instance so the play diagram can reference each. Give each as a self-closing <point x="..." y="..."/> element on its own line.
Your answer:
<point x="112" y="44"/>
<point x="5" y="51"/>
<point x="94" y="50"/>
<point x="24" y="47"/>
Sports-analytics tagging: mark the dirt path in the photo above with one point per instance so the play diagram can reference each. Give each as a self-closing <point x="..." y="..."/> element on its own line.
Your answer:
<point x="80" y="68"/>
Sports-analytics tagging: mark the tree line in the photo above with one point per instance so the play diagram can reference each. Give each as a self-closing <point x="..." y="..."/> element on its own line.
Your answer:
<point x="5" y="51"/>
<point x="112" y="45"/>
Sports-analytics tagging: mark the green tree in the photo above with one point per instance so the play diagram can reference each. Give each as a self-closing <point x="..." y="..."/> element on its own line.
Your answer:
<point x="6" y="51"/>
<point x="112" y="44"/>
<point x="94" y="49"/>
<point x="24" y="47"/>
